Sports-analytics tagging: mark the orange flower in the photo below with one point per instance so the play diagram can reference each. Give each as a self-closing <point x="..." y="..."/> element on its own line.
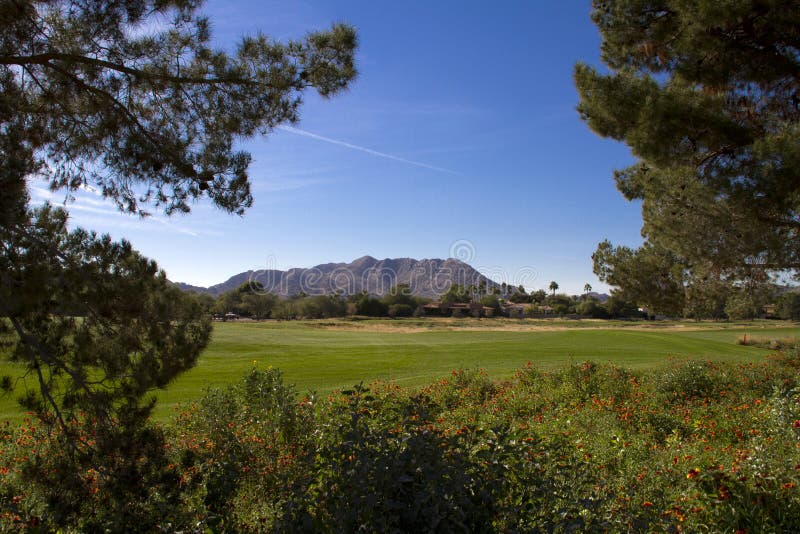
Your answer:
<point x="646" y="504"/>
<point x="693" y="473"/>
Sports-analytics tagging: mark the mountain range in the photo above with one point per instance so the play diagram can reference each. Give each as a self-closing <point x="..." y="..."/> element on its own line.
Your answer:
<point x="426" y="278"/>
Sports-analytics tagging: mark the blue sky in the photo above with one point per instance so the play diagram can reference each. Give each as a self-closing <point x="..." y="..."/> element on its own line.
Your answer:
<point x="460" y="136"/>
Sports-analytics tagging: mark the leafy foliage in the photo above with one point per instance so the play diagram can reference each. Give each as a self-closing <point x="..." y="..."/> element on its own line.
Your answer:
<point x="371" y="306"/>
<point x="239" y="449"/>
<point x="646" y="276"/>
<point x="127" y="98"/>
<point x="707" y="95"/>
<point x="381" y="467"/>
<point x="789" y="306"/>
<point x="93" y="319"/>
<point x="150" y="116"/>
<point x="588" y="447"/>
<point x="591" y="308"/>
<point x="457" y="293"/>
<point x="96" y="327"/>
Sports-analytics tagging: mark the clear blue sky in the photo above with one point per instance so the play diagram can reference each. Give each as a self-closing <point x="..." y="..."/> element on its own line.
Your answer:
<point x="461" y="128"/>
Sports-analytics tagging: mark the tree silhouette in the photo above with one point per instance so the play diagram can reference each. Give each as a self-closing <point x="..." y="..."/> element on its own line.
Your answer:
<point x="553" y="287"/>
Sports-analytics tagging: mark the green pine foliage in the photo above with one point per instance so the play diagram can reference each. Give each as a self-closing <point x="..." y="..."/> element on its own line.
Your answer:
<point x="707" y="96"/>
<point x="129" y="99"/>
<point x="97" y="328"/>
<point x="149" y="117"/>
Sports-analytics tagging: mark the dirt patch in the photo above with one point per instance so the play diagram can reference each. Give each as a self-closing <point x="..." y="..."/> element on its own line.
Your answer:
<point x="500" y="324"/>
<point x="413" y="326"/>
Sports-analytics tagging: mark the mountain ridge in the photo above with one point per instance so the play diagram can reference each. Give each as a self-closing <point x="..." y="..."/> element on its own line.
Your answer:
<point x="428" y="277"/>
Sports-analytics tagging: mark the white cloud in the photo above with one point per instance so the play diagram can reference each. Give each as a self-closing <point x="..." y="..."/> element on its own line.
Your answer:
<point x="366" y="150"/>
<point x="105" y="215"/>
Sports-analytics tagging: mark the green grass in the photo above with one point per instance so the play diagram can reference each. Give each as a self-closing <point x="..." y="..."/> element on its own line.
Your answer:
<point x="317" y="358"/>
<point x="325" y="360"/>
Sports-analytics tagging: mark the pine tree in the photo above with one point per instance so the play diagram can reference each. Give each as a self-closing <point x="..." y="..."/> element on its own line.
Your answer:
<point x="149" y="119"/>
<point x="707" y="96"/>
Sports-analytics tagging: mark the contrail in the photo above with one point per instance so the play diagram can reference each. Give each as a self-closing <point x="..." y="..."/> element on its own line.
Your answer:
<point x="103" y="207"/>
<point x="304" y="133"/>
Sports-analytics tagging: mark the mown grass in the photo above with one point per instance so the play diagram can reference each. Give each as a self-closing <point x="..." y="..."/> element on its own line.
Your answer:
<point x="327" y="355"/>
<point x="329" y="358"/>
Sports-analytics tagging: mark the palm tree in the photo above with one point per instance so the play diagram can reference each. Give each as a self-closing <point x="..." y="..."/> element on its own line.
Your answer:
<point x="553" y="287"/>
<point x="587" y="288"/>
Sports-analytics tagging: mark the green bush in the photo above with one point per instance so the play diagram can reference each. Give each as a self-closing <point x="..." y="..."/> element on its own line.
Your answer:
<point x="788" y="306"/>
<point x="589" y="447"/>
<point x="400" y="310"/>
<point x="692" y="380"/>
<point x="592" y="308"/>
<point x="371" y="307"/>
<point x="376" y="473"/>
<point x="240" y="447"/>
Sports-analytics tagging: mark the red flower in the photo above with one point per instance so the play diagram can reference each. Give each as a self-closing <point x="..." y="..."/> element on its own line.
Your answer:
<point x="693" y="473"/>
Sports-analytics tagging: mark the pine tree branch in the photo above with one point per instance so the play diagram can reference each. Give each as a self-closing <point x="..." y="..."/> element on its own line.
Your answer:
<point x="32" y="348"/>
<point x="778" y="221"/>
<point x="46" y="61"/>
<point x="722" y="151"/>
<point x="110" y="99"/>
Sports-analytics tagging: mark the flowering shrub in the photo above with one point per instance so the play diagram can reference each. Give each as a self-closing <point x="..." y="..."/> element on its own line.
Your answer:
<point x="126" y="483"/>
<point x="692" y="380"/>
<point x="382" y="465"/>
<point x="589" y="447"/>
<point x="242" y="448"/>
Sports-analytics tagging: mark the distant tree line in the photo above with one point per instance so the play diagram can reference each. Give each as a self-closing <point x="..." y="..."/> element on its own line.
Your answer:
<point x="709" y="301"/>
<point x="252" y="300"/>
